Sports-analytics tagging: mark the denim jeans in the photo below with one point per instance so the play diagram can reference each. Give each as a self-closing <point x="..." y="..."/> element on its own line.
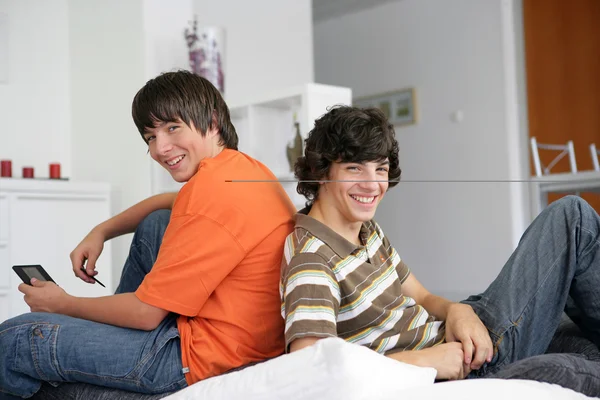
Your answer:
<point x="54" y="348"/>
<point x="557" y="259"/>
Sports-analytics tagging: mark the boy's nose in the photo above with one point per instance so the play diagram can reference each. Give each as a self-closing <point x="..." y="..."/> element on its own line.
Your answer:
<point x="370" y="184"/>
<point x="163" y="145"/>
<point x="370" y="181"/>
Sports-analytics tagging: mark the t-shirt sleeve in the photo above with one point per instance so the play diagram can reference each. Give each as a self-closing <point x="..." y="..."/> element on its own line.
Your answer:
<point x="401" y="268"/>
<point x="196" y="254"/>
<point x="310" y="298"/>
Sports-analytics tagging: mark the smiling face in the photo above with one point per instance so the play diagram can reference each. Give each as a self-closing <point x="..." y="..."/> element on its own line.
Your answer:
<point x="180" y="148"/>
<point x="352" y="193"/>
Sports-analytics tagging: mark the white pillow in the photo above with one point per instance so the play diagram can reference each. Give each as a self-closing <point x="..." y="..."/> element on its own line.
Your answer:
<point x="329" y="369"/>
<point x="492" y="389"/>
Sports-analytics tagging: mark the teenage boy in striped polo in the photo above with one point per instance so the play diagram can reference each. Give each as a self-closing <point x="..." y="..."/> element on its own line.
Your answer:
<point x="341" y="277"/>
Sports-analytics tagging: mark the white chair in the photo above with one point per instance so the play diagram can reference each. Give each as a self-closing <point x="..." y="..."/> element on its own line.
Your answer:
<point x="594" y="152"/>
<point x="565" y="149"/>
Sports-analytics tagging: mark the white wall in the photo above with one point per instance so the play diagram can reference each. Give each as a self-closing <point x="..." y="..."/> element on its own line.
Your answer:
<point x="454" y="219"/>
<point x="164" y="26"/>
<point x="107" y="53"/>
<point x="34" y="102"/>
<point x="269" y="44"/>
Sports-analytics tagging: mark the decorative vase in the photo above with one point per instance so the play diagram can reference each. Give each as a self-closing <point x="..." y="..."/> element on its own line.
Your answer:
<point x="206" y="48"/>
<point x="294" y="149"/>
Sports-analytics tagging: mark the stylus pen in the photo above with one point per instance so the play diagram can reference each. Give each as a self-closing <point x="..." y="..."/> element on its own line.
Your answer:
<point x="83" y="269"/>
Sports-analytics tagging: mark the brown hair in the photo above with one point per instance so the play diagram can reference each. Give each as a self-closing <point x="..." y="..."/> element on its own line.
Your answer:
<point x="186" y="96"/>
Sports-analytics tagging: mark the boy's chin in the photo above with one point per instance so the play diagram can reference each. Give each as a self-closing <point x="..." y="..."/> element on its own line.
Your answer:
<point x="363" y="217"/>
<point x="366" y="216"/>
<point x="180" y="177"/>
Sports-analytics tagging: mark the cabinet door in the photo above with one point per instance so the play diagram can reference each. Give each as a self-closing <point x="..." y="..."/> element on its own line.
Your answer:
<point x="44" y="229"/>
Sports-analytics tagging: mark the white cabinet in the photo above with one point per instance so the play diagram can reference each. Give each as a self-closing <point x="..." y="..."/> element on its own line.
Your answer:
<point x="41" y="222"/>
<point x="265" y="126"/>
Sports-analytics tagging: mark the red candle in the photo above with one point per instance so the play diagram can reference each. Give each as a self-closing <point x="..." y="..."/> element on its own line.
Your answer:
<point x="6" y="169"/>
<point x="55" y="171"/>
<point x="27" y="172"/>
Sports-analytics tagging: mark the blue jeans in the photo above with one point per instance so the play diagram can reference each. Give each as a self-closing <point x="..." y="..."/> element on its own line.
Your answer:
<point x="557" y="259"/>
<point x="55" y="348"/>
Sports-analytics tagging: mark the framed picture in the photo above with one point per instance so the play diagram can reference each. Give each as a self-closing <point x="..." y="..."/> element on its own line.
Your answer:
<point x="399" y="106"/>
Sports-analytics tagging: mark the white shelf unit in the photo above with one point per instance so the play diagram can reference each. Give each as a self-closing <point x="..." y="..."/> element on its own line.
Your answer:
<point x="265" y="126"/>
<point x="41" y="222"/>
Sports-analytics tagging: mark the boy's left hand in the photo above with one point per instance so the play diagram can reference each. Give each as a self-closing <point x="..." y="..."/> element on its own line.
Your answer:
<point x="463" y="325"/>
<point x="43" y="296"/>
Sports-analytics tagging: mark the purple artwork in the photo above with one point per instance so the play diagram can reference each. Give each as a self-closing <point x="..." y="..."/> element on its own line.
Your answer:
<point x="206" y="53"/>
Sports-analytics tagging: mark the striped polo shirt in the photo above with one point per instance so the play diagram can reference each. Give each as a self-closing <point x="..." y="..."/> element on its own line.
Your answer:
<point x="332" y="288"/>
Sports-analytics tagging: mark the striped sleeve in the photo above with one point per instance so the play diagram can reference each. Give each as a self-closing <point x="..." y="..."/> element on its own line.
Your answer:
<point x="310" y="298"/>
<point x="401" y="268"/>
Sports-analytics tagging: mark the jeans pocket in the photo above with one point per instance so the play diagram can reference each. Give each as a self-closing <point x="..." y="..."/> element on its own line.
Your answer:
<point x="161" y="370"/>
<point x="35" y="351"/>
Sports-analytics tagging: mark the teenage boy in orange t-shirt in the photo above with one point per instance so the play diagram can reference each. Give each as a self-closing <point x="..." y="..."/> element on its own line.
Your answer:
<point x="206" y="303"/>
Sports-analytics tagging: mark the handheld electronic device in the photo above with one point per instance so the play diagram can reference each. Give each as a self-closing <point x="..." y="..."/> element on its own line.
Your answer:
<point x="26" y="272"/>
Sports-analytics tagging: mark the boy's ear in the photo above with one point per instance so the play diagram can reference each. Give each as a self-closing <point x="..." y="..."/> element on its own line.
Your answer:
<point x="213" y="124"/>
<point x="314" y="173"/>
<point x="323" y="180"/>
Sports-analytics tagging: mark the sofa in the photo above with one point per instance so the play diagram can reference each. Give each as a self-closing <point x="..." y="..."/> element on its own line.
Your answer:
<point x="568" y="342"/>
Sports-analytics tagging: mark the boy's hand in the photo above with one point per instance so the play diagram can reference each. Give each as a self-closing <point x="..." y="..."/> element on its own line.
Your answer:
<point x="44" y="296"/>
<point x="464" y="326"/>
<point x="446" y="358"/>
<point x="89" y="249"/>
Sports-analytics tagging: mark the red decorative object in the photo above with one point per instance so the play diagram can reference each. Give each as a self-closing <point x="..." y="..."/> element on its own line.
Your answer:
<point x="55" y="171"/>
<point x="28" y="172"/>
<point x="6" y="169"/>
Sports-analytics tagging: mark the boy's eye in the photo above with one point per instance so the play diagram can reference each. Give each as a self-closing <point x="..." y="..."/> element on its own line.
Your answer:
<point x="150" y="138"/>
<point x="173" y="128"/>
<point x="382" y="169"/>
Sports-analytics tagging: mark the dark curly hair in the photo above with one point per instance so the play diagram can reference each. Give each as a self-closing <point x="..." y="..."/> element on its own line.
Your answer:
<point x="346" y="134"/>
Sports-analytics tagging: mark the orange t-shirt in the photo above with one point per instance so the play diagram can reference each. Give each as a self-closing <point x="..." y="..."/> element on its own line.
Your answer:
<point x="219" y="265"/>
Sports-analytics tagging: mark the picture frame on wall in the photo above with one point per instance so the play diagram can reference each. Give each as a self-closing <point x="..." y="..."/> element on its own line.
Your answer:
<point x="399" y="106"/>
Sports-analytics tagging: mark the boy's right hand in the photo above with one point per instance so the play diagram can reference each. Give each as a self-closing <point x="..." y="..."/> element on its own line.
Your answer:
<point x="446" y="358"/>
<point x="88" y="250"/>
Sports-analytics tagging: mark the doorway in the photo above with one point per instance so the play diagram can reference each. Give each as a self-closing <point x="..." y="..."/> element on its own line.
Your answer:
<point x="562" y="64"/>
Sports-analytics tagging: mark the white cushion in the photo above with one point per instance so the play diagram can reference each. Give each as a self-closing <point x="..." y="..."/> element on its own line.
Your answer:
<point x="491" y="389"/>
<point x="329" y="369"/>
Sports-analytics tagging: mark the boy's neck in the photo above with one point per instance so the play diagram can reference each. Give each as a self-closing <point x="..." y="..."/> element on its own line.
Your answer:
<point x="215" y="148"/>
<point x="334" y="220"/>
